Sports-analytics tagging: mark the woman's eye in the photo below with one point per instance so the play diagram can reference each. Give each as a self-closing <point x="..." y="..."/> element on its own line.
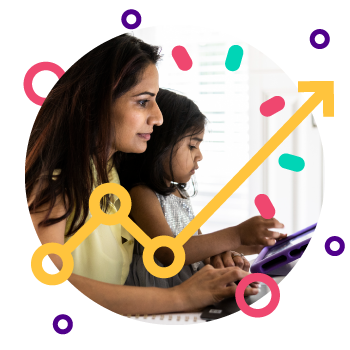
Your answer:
<point x="192" y="147"/>
<point x="143" y="103"/>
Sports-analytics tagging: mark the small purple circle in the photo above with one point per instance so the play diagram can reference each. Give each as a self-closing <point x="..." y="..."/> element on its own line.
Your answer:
<point x="324" y="34"/>
<point x="125" y="16"/>
<point x="58" y="319"/>
<point x="328" y="246"/>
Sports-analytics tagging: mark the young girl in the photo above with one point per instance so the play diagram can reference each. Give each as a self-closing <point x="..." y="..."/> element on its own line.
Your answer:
<point x="156" y="181"/>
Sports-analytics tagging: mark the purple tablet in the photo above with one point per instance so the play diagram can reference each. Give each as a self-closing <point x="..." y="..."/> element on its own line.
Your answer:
<point x="283" y="252"/>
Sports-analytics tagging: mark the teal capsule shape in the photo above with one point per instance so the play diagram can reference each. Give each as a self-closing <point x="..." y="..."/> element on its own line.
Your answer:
<point x="291" y="162"/>
<point x="234" y="58"/>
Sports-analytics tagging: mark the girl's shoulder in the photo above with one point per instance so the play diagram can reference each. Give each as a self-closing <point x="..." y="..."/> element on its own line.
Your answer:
<point x="142" y="193"/>
<point x="144" y="202"/>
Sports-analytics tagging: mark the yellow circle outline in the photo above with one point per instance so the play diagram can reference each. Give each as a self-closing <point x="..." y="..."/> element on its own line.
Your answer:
<point x="179" y="256"/>
<point x="96" y="211"/>
<point x="37" y="264"/>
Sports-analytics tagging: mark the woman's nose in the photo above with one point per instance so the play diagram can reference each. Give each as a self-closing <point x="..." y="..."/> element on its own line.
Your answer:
<point x="200" y="156"/>
<point x="156" y="117"/>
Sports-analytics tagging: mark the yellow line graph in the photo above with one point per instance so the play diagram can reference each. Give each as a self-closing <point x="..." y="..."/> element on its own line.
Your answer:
<point x="323" y="91"/>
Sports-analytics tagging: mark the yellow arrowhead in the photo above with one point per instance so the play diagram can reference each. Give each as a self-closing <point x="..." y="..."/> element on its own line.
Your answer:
<point x="323" y="91"/>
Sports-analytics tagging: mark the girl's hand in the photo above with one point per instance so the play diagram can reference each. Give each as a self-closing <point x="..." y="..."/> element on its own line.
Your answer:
<point x="253" y="249"/>
<point x="256" y="249"/>
<point x="209" y="286"/>
<point x="255" y="231"/>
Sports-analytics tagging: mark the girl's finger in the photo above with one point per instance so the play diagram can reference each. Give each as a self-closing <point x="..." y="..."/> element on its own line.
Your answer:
<point x="263" y="241"/>
<point x="271" y="223"/>
<point x="270" y="241"/>
<point x="272" y="234"/>
<point x="282" y="236"/>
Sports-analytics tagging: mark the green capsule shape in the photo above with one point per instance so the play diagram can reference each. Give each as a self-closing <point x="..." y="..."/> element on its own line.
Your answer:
<point x="234" y="58"/>
<point x="291" y="162"/>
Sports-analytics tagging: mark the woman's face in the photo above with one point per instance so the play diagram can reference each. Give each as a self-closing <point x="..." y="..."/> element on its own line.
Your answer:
<point x="186" y="158"/>
<point x="136" y="112"/>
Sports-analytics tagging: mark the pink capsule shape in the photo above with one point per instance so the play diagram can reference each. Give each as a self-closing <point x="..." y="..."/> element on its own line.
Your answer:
<point x="272" y="106"/>
<point x="265" y="207"/>
<point x="182" y="58"/>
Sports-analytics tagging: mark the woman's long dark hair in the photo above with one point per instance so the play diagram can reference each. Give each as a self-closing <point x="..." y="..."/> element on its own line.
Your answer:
<point x="181" y="118"/>
<point x="74" y="125"/>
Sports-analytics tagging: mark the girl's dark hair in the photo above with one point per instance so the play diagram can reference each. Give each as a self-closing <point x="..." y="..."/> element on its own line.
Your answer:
<point x="74" y="125"/>
<point x="182" y="118"/>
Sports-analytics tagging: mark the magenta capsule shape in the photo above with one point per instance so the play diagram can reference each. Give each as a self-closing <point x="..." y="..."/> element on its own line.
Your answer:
<point x="272" y="106"/>
<point x="265" y="207"/>
<point x="182" y="58"/>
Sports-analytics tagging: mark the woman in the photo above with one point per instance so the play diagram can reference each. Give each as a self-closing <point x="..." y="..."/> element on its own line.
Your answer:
<point x="104" y="104"/>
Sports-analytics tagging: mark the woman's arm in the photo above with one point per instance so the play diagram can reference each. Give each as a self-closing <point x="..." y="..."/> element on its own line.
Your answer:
<point x="147" y="213"/>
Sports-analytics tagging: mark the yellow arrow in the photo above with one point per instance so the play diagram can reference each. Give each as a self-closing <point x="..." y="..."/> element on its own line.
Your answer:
<point x="324" y="91"/>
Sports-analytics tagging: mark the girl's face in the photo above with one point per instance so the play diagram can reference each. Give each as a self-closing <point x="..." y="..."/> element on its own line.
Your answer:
<point x="186" y="158"/>
<point x="136" y="112"/>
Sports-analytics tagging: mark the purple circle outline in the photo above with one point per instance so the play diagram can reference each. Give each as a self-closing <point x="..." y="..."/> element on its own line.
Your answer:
<point x="125" y="22"/>
<point x="334" y="252"/>
<point x="324" y="34"/>
<point x="58" y="319"/>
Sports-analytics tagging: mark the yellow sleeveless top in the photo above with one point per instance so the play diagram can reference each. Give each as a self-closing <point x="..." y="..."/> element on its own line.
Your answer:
<point x="103" y="256"/>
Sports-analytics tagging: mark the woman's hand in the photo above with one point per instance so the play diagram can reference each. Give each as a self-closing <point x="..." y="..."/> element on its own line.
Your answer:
<point x="231" y="258"/>
<point x="209" y="286"/>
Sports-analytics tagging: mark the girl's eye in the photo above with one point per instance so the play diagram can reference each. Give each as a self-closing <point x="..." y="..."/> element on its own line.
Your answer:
<point x="192" y="147"/>
<point x="143" y="103"/>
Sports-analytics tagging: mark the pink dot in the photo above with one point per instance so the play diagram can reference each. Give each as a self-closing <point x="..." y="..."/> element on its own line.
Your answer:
<point x="32" y="72"/>
<point x="272" y="106"/>
<point x="182" y="58"/>
<point x="265" y="207"/>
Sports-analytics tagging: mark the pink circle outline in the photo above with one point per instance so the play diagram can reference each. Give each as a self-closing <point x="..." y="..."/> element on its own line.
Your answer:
<point x="32" y="72"/>
<point x="275" y="295"/>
